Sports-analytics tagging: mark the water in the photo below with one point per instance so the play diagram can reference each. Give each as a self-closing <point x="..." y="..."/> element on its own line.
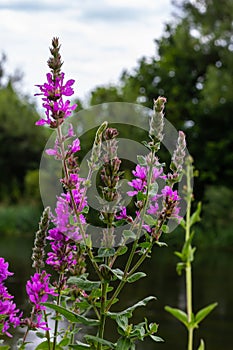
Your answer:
<point x="212" y="281"/>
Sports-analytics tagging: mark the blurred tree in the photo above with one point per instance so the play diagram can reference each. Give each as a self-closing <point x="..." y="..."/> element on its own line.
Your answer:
<point x="193" y="68"/>
<point x="21" y="141"/>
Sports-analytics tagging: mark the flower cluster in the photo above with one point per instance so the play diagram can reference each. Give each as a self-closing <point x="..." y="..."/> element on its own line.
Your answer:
<point x="38" y="290"/>
<point x="66" y="231"/>
<point x="161" y="206"/>
<point x="139" y="184"/>
<point x="56" y="109"/>
<point x="9" y="314"/>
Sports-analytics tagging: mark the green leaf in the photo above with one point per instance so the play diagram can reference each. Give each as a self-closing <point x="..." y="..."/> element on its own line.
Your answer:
<point x="122" y="321"/>
<point x="141" y="160"/>
<point x="204" y="312"/>
<point x="149" y="220"/>
<point x="156" y="338"/>
<point x="80" y="346"/>
<point x="83" y="283"/>
<point x="187" y="253"/>
<point x="93" y="339"/>
<point x="179" y="314"/>
<point x="72" y="316"/>
<point x="180" y="267"/>
<point x="183" y="224"/>
<point x="161" y="244"/>
<point x="85" y="210"/>
<point x="153" y="191"/>
<point x="202" y="345"/>
<point x="136" y="276"/>
<point x="121" y="250"/>
<point x="165" y="228"/>
<point x="128" y="234"/>
<point x="64" y="342"/>
<point x="44" y="346"/>
<point x="138" y="331"/>
<point x="141" y="196"/>
<point x="117" y="272"/>
<point x="196" y="215"/>
<point x="152" y="328"/>
<point x="105" y="252"/>
<point x="40" y="335"/>
<point x="4" y="347"/>
<point x="88" y="241"/>
<point x="145" y="245"/>
<point x="123" y="344"/>
<point x="129" y="311"/>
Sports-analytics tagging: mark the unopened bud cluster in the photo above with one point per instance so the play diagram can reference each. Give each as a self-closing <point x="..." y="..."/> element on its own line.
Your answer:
<point x="40" y="240"/>
<point x="157" y="119"/>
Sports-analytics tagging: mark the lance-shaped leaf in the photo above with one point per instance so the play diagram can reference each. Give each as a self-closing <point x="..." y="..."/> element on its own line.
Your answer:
<point x="136" y="276"/>
<point x="179" y="314"/>
<point x="204" y="312"/>
<point x="83" y="283"/>
<point x="196" y="215"/>
<point x="128" y="234"/>
<point x="202" y="345"/>
<point x="123" y="344"/>
<point x="80" y="346"/>
<point x="72" y="316"/>
<point x="156" y="338"/>
<point x="129" y="311"/>
<point x="93" y="340"/>
<point x="44" y="346"/>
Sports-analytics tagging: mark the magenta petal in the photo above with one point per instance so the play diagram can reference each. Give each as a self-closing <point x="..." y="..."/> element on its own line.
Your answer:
<point x="41" y="122"/>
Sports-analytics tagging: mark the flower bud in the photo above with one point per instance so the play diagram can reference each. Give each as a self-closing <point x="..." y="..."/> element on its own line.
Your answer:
<point x="157" y="120"/>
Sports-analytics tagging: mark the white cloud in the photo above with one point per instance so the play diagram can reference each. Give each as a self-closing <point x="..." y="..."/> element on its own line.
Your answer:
<point x="99" y="39"/>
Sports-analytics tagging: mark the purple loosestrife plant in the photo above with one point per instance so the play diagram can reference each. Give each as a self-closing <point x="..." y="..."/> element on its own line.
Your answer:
<point x="65" y="231"/>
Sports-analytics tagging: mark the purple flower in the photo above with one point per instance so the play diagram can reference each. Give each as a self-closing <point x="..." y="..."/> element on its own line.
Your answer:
<point x="140" y="172"/>
<point x="66" y="231"/>
<point x="170" y="194"/>
<point x="156" y="173"/>
<point x="122" y="214"/>
<point x="4" y="273"/>
<point x="75" y="147"/>
<point x="38" y="290"/>
<point x="56" y="89"/>
<point x="171" y="200"/>
<point x="9" y="314"/>
<point x="153" y="209"/>
<point x="55" y="108"/>
<point x="140" y="183"/>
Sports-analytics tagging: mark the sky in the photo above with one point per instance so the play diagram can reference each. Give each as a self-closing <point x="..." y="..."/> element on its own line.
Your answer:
<point x="99" y="38"/>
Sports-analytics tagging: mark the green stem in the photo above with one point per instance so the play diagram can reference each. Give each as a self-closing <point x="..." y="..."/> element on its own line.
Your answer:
<point x="47" y="332"/>
<point x="58" y="303"/>
<point x="29" y="327"/>
<point x="102" y="313"/>
<point x="188" y="269"/>
<point x="135" y="244"/>
<point x="189" y="303"/>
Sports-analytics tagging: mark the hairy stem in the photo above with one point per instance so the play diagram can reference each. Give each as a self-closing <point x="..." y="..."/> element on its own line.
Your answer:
<point x="104" y="288"/>
<point x="135" y="244"/>
<point x="188" y="269"/>
<point x="61" y="277"/>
